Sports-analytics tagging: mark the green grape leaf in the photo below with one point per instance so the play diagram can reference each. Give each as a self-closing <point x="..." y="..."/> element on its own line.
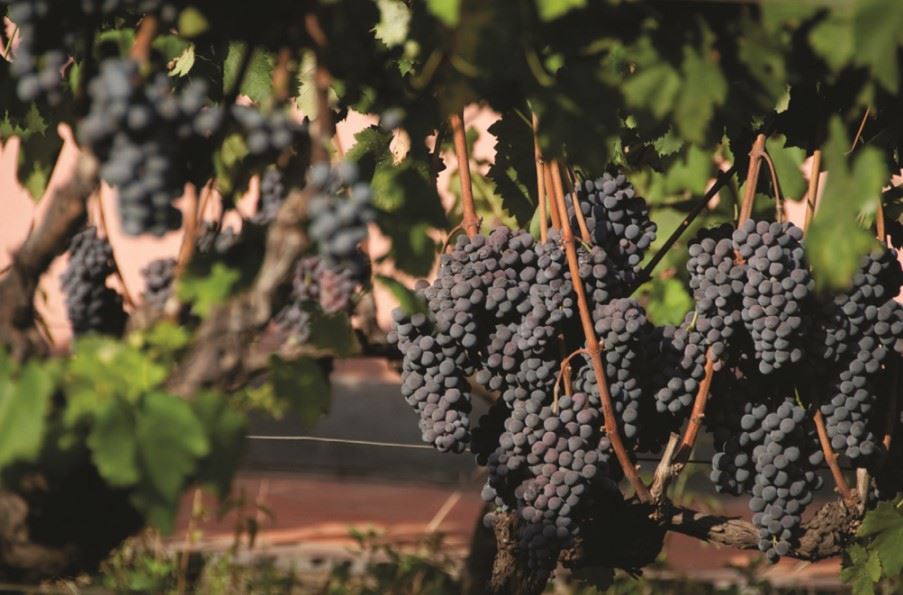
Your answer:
<point x="884" y="525"/>
<point x="113" y="444"/>
<point x="332" y="334"/>
<point x="688" y="172"/>
<point x="788" y="162"/>
<point x="549" y="10"/>
<point x="370" y="150"/>
<point x="878" y="31"/>
<point x="227" y="162"/>
<point x="861" y="570"/>
<point x="832" y="38"/>
<point x="303" y="385"/>
<point x="851" y="189"/>
<point x="24" y="404"/>
<point x="171" y="440"/>
<point x="408" y="301"/>
<point x="413" y="250"/>
<point x="225" y="429"/>
<point x="447" y="11"/>
<point x="654" y="87"/>
<point x="257" y="82"/>
<point x="703" y="89"/>
<point x="668" y="300"/>
<point x="394" y="22"/>
<point x="192" y="22"/>
<point x="102" y="369"/>
<point x="203" y="293"/>
<point x="40" y="145"/>
<point x="514" y="168"/>
<point x="183" y="64"/>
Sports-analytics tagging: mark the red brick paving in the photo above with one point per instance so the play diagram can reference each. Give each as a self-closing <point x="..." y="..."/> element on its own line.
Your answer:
<point x="320" y="510"/>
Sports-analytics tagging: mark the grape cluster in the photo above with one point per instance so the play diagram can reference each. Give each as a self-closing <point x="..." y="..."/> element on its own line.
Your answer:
<point x="316" y="285"/>
<point x="267" y="136"/>
<point x="549" y="465"/>
<point x="142" y="132"/>
<point x="272" y="194"/>
<point x="158" y="277"/>
<point x="90" y="304"/>
<point x="338" y="224"/>
<point x="717" y="283"/>
<point x="776" y="292"/>
<point x="617" y="219"/>
<point x="785" y="477"/>
<point x="51" y="31"/>
<point x="734" y="416"/>
<point x="679" y="354"/>
<point x="503" y="311"/>
<point x="860" y="328"/>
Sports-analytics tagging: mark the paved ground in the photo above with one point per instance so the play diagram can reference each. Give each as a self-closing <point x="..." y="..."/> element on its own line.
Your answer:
<point x="311" y="494"/>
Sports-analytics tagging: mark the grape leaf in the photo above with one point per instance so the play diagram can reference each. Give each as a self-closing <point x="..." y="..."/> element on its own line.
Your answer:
<point x="878" y="30"/>
<point x="332" y="334"/>
<point x="183" y="64"/>
<point x="848" y="190"/>
<point x="703" y="89"/>
<point x="408" y="301"/>
<point x="549" y="10"/>
<point x="225" y="429"/>
<point x="514" y="169"/>
<point x="114" y="449"/>
<point x="788" y="162"/>
<point x="884" y="525"/>
<point x="302" y="384"/>
<point x="203" y="293"/>
<point x="861" y="570"/>
<point x="170" y="442"/>
<point x="394" y="21"/>
<point x="257" y="82"/>
<point x="447" y="11"/>
<point x="24" y="404"/>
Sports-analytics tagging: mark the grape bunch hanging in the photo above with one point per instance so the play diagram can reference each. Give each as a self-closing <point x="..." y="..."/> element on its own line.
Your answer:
<point x="502" y="313"/>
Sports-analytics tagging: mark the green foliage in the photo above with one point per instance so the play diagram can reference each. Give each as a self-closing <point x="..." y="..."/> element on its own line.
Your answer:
<point x="877" y="553"/>
<point x="257" y="80"/>
<point x="203" y="293"/>
<point x="303" y="385"/>
<point x="853" y="188"/>
<point x="514" y="168"/>
<point x="25" y="399"/>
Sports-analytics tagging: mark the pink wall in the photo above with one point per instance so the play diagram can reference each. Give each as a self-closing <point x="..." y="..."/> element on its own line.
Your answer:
<point x="20" y="212"/>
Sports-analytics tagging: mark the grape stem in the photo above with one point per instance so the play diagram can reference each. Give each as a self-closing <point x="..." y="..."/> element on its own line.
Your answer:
<point x="752" y="179"/>
<point x="553" y="205"/>
<point x="698" y="412"/>
<point x="677" y="452"/>
<point x="722" y="179"/>
<point x="776" y="187"/>
<point x="812" y="191"/>
<point x="470" y="222"/>
<point x="324" y="128"/>
<point x="565" y="370"/>
<point x="141" y="47"/>
<point x="540" y="183"/>
<point x="865" y="117"/>
<point x="594" y="350"/>
<point x="831" y="459"/>
<point x="578" y="213"/>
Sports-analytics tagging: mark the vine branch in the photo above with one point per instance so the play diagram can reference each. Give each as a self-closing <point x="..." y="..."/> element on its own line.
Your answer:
<point x="594" y="351"/>
<point x="66" y="213"/>
<point x="831" y="459"/>
<point x="470" y="222"/>
<point x="752" y="178"/>
<point x="812" y="190"/>
<point x="540" y="183"/>
<point x="722" y="179"/>
<point x="117" y="270"/>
